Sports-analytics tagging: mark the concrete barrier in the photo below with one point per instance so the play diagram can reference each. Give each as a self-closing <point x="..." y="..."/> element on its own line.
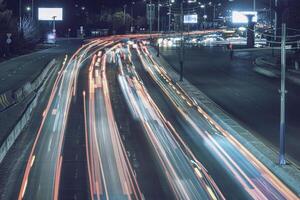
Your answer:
<point x="39" y="85"/>
<point x="6" y="100"/>
<point x="10" y="98"/>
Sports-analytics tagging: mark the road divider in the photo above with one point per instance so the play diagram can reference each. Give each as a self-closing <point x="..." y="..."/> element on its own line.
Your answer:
<point x="39" y="84"/>
<point x="11" y="98"/>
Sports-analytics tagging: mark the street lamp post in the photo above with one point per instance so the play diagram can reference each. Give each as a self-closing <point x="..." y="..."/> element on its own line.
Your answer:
<point x="158" y="16"/>
<point x="275" y="20"/>
<point x="32" y="9"/>
<point x="124" y="14"/>
<point x="181" y="43"/>
<point x="282" y="160"/>
<point x="132" y="4"/>
<point x="170" y="10"/>
<point x="150" y="18"/>
<point x="20" y="15"/>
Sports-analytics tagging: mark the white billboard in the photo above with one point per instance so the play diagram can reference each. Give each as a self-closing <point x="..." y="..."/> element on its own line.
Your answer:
<point x="190" y="19"/>
<point x="240" y="17"/>
<point x="48" y="14"/>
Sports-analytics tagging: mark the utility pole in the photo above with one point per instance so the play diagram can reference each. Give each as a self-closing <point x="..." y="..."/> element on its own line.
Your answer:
<point x="131" y="26"/>
<point x="282" y="99"/>
<point x="32" y="9"/>
<point x="214" y="14"/>
<point x="20" y="15"/>
<point x="275" y="20"/>
<point x="254" y="5"/>
<point x="181" y="44"/>
<point x="158" y="16"/>
<point x="150" y="18"/>
<point x="124" y="14"/>
<point x="170" y="10"/>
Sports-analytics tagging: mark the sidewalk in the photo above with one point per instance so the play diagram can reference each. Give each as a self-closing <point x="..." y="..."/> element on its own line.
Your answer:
<point x="289" y="174"/>
<point x="268" y="66"/>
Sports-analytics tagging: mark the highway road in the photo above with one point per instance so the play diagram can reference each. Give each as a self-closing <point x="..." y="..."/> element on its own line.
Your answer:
<point x="254" y="178"/>
<point x="197" y="158"/>
<point x="110" y="172"/>
<point x="252" y="99"/>
<point x="186" y="176"/>
<point x="42" y="174"/>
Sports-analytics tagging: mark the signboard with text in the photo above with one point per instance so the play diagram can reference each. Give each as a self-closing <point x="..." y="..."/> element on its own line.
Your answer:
<point x="50" y="14"/>
<point x="240" y="17"/>
<point x="190" y="19"/>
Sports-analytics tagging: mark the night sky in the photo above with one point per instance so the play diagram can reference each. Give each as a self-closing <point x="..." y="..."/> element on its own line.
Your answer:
<point x="94" y="4"/>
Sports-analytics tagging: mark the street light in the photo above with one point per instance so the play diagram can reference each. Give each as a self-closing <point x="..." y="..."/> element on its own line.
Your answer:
<point x="158" y="15"/>
<point x="170" y="10"/>
<point x="132" y="4"/>
<point x="124" y="14"/>
<point x="20" y="15"/>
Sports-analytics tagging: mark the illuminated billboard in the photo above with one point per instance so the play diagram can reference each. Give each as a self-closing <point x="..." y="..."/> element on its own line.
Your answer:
<point x="190" y="19"/>
<point x="49" y="14"/>
<point x="240" y="17"/>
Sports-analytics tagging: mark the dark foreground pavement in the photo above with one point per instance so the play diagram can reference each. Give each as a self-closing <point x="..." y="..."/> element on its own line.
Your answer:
<point x="250" y="98"/>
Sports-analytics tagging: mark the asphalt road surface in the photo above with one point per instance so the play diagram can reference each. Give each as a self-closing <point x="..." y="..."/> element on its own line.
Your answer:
<point x="250" y="98"/>
<point x="17" y="71"/>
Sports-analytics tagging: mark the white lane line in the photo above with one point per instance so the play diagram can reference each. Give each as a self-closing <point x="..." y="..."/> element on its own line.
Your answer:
<point x="56" y="121"/>
<point x="50" y="142"/>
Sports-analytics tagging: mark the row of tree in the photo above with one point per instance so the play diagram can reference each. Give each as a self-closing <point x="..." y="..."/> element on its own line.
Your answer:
<point x="115" y="21"/>
<point x="22" y="37"/>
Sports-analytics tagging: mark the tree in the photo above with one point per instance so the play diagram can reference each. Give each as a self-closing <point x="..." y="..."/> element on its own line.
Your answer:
<point x="7" y="25"/>
<point x="141" y="22"/>
<point x="118" y="22"/>
<point x="31" y="33"/>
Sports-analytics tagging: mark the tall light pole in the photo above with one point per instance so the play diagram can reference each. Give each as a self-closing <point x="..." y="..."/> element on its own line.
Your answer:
<point x="158" y="16"/>
<point x="182" y="42"/>
<point x="254" y="5"/>
<point x="282" y="160"/>
<point x="20" y="15"/>
<point x="132" y="4"/>
<point x="32" y="9"/>
<point x="275" y="20"/>
<point x="170" y="10"/>
<point x="124" y="14"/>
<point x="150" y="17"/>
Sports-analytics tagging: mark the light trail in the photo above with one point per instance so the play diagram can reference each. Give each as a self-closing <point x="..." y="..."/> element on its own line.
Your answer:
<point x="257" y="180"/>
<point x="42" y="173"/>
<point x="187" y="178"/>
<point x="110" y="173"/>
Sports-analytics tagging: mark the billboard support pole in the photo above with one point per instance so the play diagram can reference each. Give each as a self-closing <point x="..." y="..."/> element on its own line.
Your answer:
<point x="54" y="29"/>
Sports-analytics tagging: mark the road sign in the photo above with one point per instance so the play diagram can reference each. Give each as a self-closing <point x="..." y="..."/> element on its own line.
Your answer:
<point x="8" y="40"/>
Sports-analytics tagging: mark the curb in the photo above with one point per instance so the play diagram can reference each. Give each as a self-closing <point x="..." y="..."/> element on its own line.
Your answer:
<point x="289" y="174"/>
